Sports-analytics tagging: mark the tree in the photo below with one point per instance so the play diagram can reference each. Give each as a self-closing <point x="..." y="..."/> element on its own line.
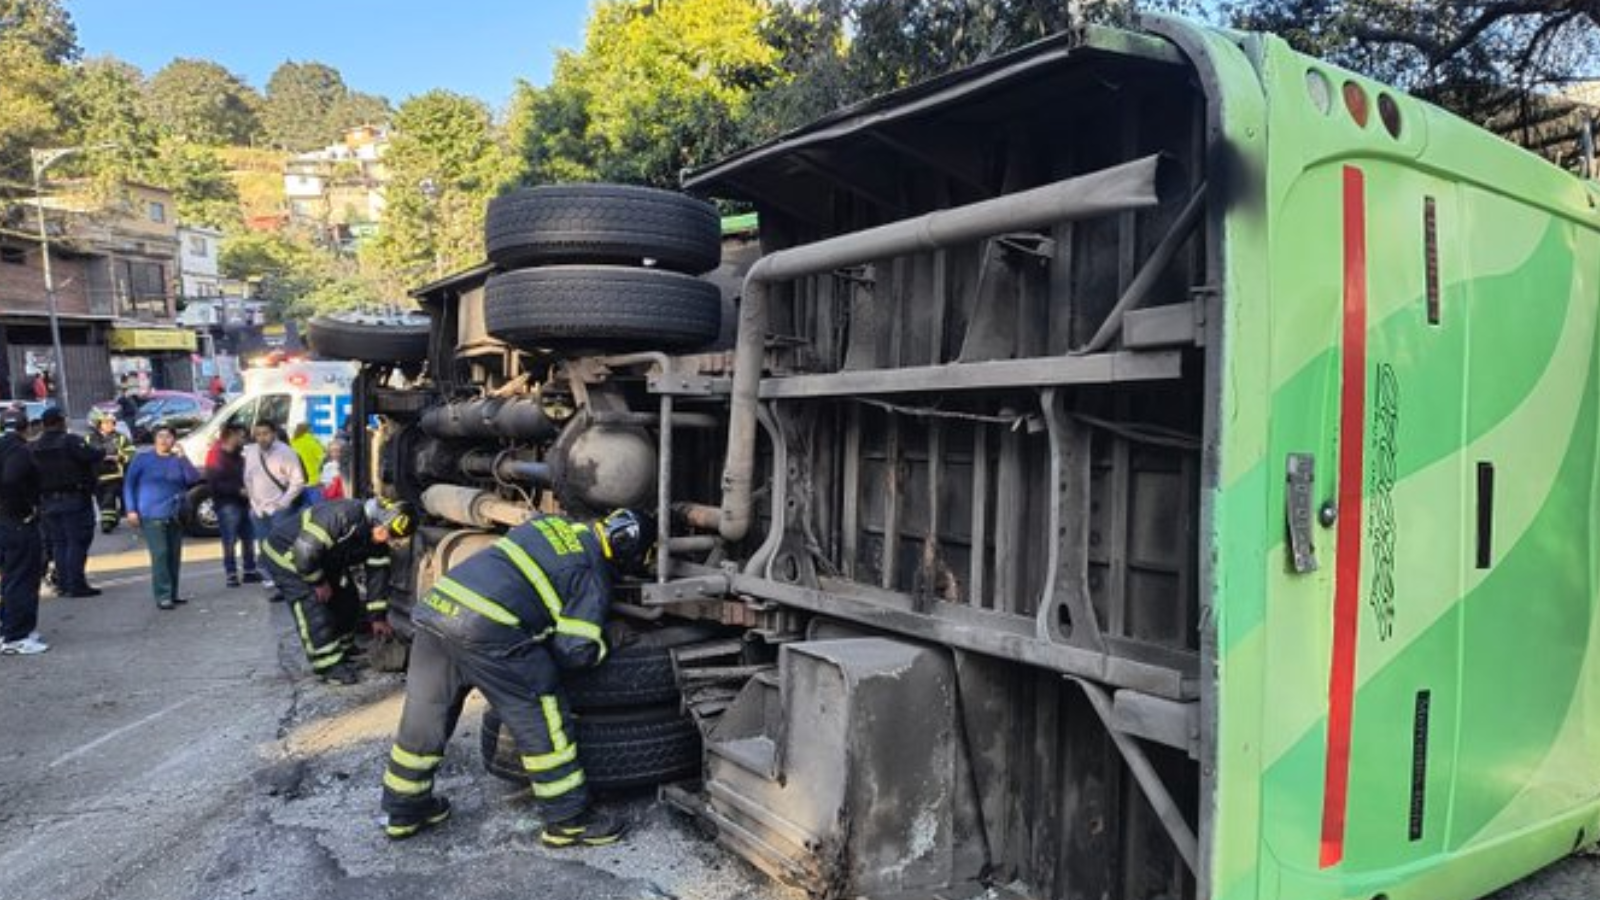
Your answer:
<point x="37" y="43"/>
<point x="298" y="101"/>
<point x="43" y="25"/>
<point x="204" y="192"/>
<point x="106" y="100"/>
<point x="445" y="161"/>
<point x="843" y="51"/>
<point x="355" y="109"/>
<point x="200" y="101"/>
<point x="658" y="87"/>
<point x="108" y="108"/>
<point x="1502" y="64"/>
<point x="296" y="279"/>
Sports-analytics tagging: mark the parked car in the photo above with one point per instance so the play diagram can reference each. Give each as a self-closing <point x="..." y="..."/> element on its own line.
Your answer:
<point x="183" y="411"/>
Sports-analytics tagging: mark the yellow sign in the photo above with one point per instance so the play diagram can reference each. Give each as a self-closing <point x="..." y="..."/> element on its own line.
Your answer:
<point x="153" y="339"/>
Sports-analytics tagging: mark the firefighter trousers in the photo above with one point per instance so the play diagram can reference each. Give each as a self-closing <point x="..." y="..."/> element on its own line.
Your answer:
<point x="326" y="630"/>
<point x="522" y="684"/>
<point x="108" y="496"/>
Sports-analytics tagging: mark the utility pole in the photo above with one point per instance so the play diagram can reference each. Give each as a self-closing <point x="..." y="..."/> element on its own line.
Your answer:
<point x="43" y="159"/>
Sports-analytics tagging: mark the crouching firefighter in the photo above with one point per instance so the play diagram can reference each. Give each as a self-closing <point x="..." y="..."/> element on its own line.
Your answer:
<point x="507" y="621"/>
<point x="311" y="557"/>
<point x="116" y="451"/>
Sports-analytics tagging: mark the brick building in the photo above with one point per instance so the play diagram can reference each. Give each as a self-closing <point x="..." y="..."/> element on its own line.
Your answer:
<point x="115" y="266"/>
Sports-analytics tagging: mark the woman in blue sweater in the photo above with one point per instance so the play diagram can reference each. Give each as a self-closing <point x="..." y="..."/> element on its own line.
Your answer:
<point x="154" y="491"/>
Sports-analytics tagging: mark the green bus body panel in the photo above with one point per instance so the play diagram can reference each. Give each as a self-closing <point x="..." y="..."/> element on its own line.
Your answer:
<point x="1493" y="774"/>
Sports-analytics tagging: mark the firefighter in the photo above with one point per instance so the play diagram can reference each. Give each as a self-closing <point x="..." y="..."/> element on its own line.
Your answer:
<point x="310" y="556"/>
<point x="507" y="621"/>
<point x="116" y="451"/>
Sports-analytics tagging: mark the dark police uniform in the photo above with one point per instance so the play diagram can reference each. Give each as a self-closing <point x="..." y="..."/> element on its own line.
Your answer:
<point x="21" y="551"/>
<point x="67" y="480"/>
<point x="506" y="621"/>
<point x="116" y="451"/>
<point x="322" y="544"/>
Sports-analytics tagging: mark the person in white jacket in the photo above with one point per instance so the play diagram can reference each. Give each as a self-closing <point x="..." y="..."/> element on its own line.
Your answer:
<point x="275" y="482"/>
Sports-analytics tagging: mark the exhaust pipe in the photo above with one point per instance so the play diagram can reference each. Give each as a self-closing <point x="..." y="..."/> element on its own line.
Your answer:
<point x="1120" y="188"/>
<point x="472" y="508"/>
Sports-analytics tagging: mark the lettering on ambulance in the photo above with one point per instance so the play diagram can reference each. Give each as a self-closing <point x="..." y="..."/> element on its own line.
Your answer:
<point x="327" y="413"/>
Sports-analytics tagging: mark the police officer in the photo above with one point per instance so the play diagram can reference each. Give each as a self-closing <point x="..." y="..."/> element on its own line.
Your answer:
<point x="116" y="451"/>
<point x="507" y="621"/>
<point x="310" y="556"/>
<point x="21" y="553"/>
<point x="67" y="466"/>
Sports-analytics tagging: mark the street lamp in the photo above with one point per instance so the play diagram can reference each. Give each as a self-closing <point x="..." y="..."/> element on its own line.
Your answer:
<point x="43" y="159"/>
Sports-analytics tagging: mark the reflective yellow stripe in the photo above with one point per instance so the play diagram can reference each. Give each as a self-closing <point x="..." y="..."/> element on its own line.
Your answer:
<point x="553" y="723"/>
<point x="305" y="630"/>
<point x="405" y="785"/>
<point x="534" y="575"/>
<point x="377" y="561"/>
<point x="582" y="629"/>
<point x="547" y="593"/>
<point x="315" y="530"/>
<point x="377" y="605"/>
<point x="420" y="762"/>
<point x="276" y="556"/>
<point x="605" y="542"/>
<point x="557" y="788"/>
<point x="310" y="578"/>
<point x="544" y="762"/>
<point x="476" y="602"/>
<point x="315" y="654"/>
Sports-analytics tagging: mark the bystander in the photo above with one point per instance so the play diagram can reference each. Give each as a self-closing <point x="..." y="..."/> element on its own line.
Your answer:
<point x="155" y="493"/>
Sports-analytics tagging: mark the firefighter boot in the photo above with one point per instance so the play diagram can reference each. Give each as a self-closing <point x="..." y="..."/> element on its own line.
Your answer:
<point x="410" y="823"/>
<point x="589" y="829"/>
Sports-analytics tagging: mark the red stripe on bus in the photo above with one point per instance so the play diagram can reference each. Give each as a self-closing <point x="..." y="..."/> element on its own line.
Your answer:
<point x="1347" y="575"/>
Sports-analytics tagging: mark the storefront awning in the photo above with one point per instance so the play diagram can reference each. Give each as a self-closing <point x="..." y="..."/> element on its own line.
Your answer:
<point x="140" y="339"/>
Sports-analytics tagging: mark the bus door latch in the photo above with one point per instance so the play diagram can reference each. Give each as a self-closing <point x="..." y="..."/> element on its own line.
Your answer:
<point x="1298" y="505"/>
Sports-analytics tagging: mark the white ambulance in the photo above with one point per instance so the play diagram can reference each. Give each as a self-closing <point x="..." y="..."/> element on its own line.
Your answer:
<point x="287" y="394"/>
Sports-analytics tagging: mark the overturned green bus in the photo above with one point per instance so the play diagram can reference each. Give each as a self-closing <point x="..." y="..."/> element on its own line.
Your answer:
<point x="1145" y="465"/>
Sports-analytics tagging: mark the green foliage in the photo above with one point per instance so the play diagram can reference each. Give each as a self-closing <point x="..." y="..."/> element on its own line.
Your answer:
<point x="355" y="109"/>
<point x="1499" y="63"/>
<point x="44" y="25"/>
<point x="200" y="101"/>
<point x="251" y="254"/>
<point x="125" y="144"/>
<point x="308" y="106"/>
<point x="107" y="104"/>
<point x="445" y="162"/>
<point x="37" y="44"/>
<point x="296" y="279"/>
<point x="200" y="183"/>
<point x="658" y="87"/>
<point x="339" y="292"/>
<point x="842" y="51"/>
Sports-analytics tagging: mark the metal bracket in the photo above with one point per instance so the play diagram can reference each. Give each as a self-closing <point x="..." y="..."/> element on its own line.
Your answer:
<point x="688" y="385"/>
<point x="1041" y="247"/>
<point x="685" y="590"/>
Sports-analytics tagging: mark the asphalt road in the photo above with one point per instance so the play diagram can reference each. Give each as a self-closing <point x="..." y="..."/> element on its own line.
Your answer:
<point x="169" y="755"/>
<point x="185" y="755"/>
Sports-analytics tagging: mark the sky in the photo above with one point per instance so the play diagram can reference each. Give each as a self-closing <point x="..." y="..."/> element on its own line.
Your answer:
<point x="396" y="48"/>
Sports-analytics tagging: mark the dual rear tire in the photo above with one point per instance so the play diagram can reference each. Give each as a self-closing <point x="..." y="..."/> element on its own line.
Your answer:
<point x="601" y="267"/>
<point x="629" y="724"/>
